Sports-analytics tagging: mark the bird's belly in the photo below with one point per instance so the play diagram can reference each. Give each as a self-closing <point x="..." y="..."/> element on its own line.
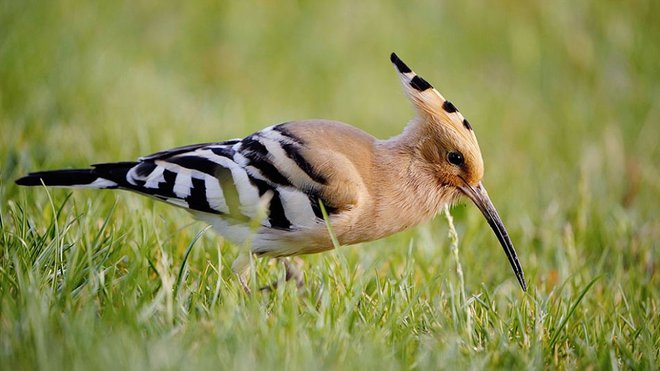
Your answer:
<point x="350" y="228"/>
<point x="269" y="241"/>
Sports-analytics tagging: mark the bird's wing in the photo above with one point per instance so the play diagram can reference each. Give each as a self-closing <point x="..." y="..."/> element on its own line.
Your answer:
<point x="263" y="176"/>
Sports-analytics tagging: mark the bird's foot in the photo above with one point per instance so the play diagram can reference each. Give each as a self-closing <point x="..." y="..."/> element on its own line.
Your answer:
<point x="293" y="273"/>
<point x="243" y="280"/>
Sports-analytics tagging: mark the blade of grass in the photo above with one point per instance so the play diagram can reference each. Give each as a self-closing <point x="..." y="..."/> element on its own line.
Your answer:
<point x="564" y="321"/>
<point x="326" y="218"/>
<point x="182" y="269"/>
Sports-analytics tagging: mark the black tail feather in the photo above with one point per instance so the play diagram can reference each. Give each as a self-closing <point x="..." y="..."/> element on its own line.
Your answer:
<point x="110" y="175"/>
<point x="62" y="178"/>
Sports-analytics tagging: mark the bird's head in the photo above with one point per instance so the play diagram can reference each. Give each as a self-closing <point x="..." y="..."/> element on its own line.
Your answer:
<point x="448" y="144"/>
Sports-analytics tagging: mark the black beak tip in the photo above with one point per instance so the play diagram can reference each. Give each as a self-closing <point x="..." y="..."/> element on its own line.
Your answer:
<point x="479" y="196"/>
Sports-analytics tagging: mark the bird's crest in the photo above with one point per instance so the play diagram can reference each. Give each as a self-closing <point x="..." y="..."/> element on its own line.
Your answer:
<point x="428" y="102"/>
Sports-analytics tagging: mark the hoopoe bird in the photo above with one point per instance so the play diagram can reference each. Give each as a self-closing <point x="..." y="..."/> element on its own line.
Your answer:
<point x="267" y="190"/>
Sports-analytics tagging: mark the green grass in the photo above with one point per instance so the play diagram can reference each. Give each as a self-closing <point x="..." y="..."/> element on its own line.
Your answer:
<point x="563" y="96"/>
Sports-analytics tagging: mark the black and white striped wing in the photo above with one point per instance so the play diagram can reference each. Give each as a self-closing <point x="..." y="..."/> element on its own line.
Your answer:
<point x="237" y="180"/>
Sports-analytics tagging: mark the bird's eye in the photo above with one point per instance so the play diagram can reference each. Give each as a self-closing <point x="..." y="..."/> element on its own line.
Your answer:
<point x="455" y="158"/>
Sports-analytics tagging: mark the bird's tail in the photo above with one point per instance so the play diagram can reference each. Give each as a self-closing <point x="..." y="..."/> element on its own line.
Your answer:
<point x="99" y="176"/>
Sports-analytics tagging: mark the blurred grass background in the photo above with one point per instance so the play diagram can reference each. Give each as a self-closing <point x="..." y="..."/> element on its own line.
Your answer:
<point x="564" y="97"/>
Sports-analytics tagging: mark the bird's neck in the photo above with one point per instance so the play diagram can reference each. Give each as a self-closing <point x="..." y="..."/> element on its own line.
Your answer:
<point x="410" y="192"/>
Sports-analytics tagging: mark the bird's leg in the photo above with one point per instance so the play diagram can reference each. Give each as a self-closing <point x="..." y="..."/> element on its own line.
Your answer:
<point x="242" y="279"/>
<point x="293" y="272"/>
<point x="241" y="268"/>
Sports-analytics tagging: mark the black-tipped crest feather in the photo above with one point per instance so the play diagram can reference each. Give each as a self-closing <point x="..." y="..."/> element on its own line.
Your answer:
<point x="402" y="67"/>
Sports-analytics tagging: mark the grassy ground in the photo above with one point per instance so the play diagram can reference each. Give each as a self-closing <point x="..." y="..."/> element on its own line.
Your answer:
<point x="563" y="96"/>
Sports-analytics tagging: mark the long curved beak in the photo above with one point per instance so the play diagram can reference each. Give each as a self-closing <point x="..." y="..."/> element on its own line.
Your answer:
<point x="479" y="196"/>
